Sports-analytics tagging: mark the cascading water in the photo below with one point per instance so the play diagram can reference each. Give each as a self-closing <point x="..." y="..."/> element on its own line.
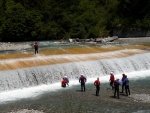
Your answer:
<point x="34" y="76"/>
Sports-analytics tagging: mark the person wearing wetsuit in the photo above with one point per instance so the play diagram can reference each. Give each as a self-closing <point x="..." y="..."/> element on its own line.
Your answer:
<point x="116" y="87"/>
<point x="97" y="84"/>
<point x="112" y="78"/>
<point x="63" y="82"/>
<point x="126" y="82"/>
<point x="123" y="84"/>
<point x="36" y="47"/>
<point x="82" y="80"/>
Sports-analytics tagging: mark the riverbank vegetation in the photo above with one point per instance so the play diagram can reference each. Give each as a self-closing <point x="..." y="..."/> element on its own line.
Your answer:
<point x="22" y="20"/>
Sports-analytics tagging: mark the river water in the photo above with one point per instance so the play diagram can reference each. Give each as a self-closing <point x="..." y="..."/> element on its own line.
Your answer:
<point x="37" y="89"/>
<point x="52" y="98"/>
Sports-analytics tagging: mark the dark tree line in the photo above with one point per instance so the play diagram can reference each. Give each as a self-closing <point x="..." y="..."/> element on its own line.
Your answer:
<point x="22" y="20"/>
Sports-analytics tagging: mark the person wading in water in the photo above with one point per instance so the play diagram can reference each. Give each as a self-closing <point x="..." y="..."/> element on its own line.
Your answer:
<point x="112" y="78"/>
<point x="97" y="84"/>
<point x="82" y="80"/>
<point x="116" y="87"/>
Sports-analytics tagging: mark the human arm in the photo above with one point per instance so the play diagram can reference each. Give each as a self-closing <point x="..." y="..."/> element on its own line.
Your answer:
<point x="85" y="79"/>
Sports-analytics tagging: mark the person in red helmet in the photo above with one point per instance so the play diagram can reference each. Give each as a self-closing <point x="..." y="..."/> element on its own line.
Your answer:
<point x="36" y="47"/>
<point x="82" y="80"/>
<point x="97" y="84"/>
<point x="112" y="78"/>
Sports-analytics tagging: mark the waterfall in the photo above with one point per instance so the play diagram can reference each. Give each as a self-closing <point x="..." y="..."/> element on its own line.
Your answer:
<point x="39" y="75"/>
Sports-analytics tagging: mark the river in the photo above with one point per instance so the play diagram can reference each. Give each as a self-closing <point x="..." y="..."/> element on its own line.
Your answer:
<point x="20" y="87"/>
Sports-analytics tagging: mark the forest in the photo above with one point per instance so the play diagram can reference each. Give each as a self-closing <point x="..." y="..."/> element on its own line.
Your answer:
<point x="28" y="20"/>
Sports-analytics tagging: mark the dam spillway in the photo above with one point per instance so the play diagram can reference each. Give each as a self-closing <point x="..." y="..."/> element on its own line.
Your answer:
<point x="48" y="74"/>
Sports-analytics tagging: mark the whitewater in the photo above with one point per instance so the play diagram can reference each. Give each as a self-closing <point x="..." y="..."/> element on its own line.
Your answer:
<point x="36" y="91"/>
<point x="34" y="81"/>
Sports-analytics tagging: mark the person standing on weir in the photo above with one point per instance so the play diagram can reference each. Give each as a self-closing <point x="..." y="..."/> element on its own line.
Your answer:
<point x="36" y="47"/>
<point x="97" y="84"/>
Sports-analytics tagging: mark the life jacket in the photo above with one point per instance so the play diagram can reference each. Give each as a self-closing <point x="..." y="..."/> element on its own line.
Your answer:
<point x="97" y="83"/>
<point x="36" y="45"/>
<point x="82" y="79"/>
<point x="63" y="83"/>
<point x="116" y="83"/>
<point x="112" y="78"/>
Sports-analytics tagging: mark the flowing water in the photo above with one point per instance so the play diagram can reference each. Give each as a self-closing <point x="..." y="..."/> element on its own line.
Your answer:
<point x="27" y="85"/>
<point x="39" y="75"/>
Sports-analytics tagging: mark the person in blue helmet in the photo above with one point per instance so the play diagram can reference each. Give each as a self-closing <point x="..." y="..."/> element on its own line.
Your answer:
<point x="82" y="80"/>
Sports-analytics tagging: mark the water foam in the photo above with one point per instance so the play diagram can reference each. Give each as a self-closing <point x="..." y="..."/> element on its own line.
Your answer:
<point x="33" y="92"/>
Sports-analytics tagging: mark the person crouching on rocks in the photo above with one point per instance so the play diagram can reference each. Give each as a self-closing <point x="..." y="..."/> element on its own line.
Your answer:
<point x="116" y="87"/>
<point x="97" y="84"/>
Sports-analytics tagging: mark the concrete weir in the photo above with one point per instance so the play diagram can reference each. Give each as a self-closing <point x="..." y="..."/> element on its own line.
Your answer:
<point x="91" y="65"/>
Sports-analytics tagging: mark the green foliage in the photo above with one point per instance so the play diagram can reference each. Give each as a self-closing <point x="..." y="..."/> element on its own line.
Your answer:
<point x="14" y="24"/>
<point x="61" y="19"/>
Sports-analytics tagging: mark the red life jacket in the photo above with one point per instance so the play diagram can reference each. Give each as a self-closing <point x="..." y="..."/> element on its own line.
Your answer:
<point x="112" y="78"/>
<point x="63" y="83"/>
<point x="97" y="83"/>
<point x="116" y="83"/>
<point x="36" y="45"/>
